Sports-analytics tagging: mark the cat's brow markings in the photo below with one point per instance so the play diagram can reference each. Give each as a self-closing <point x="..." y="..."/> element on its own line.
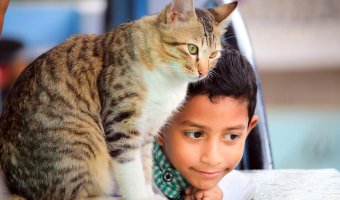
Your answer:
<point x="206" y="19"/>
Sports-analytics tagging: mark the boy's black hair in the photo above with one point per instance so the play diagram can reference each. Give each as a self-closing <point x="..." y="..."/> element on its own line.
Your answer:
<point x="233" y="76"/>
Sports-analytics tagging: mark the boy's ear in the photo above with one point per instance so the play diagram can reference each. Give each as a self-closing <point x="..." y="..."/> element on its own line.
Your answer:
<point x="253" y="123"/>
<point x="160" y="139"/>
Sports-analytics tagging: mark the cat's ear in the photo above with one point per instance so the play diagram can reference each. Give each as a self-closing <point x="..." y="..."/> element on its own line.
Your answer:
<point x="179" y="10"/>
<point x="221" y="12"/>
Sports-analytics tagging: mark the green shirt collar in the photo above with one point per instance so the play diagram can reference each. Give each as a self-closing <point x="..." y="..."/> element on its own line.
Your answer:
<point x="165" y="176"/>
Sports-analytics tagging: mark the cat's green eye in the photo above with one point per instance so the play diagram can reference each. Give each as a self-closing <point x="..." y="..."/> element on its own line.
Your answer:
<point x="193" y="49"/>
<point x="213" y="54"/>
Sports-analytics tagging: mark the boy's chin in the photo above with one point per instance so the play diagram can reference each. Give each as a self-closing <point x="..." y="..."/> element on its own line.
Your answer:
<point x="204" y="184"/>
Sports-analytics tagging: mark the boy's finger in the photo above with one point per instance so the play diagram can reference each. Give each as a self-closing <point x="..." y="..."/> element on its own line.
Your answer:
<point x="199" y="194"/>
<point x="188" y="191"/>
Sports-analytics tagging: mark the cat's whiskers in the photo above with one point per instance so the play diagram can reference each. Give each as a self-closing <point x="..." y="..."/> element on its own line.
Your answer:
<point x="226" y="38"/>
<point x="174" y="69"/>
<point x="213" y="73"/>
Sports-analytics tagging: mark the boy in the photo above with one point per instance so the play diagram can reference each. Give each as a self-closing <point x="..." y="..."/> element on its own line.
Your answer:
<point x="205" y="139"/>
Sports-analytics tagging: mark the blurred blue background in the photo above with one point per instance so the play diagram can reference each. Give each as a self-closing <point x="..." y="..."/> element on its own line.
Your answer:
<point x="39" y="25"/>
<point x="297" y="49"/>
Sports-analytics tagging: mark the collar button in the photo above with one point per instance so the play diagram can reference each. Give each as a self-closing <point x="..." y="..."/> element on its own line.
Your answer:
<point x="168" y="176"/>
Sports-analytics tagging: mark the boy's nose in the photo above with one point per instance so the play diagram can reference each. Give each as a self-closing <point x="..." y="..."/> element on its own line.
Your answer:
<point x="211" y="156"/>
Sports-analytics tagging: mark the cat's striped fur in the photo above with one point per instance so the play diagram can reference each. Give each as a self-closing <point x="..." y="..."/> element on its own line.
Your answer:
<point x="81" y="117"/>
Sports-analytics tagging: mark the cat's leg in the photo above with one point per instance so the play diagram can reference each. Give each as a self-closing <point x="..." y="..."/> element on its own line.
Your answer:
<point x="122" y="100"/>
<point x="101" y="181"/>
<point x="125" y="147"/>
<point x="124" y="143"/>
<point x="147" y="164"/>
<point x="123" y="97"/>
<point x="130" y="178"/>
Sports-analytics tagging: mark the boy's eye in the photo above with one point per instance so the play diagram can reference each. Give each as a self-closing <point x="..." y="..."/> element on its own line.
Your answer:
<point x="193" y="49"/>
<point x="194" y="134"/>
<point x="231" y="137"/>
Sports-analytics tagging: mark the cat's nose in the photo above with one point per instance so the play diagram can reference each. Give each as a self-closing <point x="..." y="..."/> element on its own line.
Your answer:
<point x="202" y="72"/>
<point x="203" y="68"/>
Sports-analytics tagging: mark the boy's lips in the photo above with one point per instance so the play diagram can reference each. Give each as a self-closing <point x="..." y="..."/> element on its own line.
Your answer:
<point x="208" y="174"/>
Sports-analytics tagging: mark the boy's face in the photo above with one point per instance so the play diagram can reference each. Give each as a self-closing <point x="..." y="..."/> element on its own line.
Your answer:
<point x="205" y="140"/>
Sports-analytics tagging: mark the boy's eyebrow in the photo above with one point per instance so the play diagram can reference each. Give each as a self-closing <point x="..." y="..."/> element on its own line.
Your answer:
<point x="190" y="123"/>
<point x="193" y="124"/>
<point x="236" y="127"/>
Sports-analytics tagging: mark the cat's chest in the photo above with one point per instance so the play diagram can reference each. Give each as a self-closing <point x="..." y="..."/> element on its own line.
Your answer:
<point x="163" y="97"/>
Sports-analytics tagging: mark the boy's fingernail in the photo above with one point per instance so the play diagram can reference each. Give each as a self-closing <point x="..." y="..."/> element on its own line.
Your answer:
<point x="187" y="191"/>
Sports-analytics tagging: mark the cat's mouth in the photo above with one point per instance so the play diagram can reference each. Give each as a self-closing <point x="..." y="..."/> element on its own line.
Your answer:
<point x="193" y="75"/>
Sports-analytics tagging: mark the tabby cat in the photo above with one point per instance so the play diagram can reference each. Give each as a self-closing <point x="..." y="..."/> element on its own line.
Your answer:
<point x="82" y="116"/>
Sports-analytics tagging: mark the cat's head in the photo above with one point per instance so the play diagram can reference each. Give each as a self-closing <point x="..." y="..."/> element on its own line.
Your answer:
<point x="190" y="37"/>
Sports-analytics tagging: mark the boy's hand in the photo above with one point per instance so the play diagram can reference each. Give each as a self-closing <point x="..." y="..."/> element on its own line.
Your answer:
<point x="214" y="193"/>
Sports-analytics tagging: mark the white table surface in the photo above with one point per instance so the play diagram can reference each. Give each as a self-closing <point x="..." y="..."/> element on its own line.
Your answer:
<point x="320" y="184"/>
<point x="291" y="184"/>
